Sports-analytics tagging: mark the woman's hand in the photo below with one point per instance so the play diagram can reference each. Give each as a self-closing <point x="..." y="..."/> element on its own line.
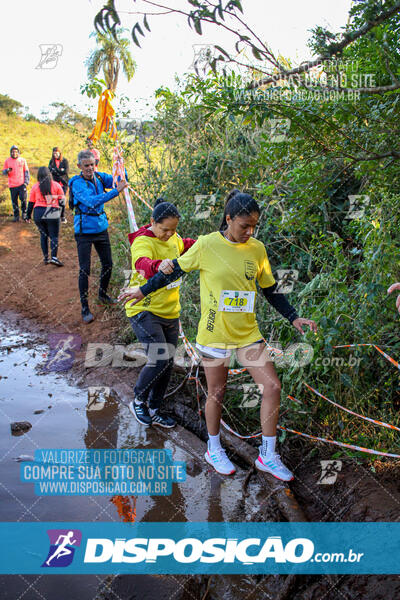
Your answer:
<point x="395" y="286"/>
<point x="127" y="294"/>
<point x="166" y="266"/>
<point x="299" y="322"/>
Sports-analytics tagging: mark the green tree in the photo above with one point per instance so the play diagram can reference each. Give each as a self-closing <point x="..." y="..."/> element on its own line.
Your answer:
<point x="111" y="54"/>
<point x="9" y="105"/>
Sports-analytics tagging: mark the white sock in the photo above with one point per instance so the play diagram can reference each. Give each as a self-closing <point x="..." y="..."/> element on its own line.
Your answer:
<point x="214" y="442"/>
<point x="268" y="444"/>
<point x="138" y="402"/>
<point x="152" y="411"/>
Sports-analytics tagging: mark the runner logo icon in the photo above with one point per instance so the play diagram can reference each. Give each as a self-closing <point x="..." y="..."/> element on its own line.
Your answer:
<point x="62" y="547"/>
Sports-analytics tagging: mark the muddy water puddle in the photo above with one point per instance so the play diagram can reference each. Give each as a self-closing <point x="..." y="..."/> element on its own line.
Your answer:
<point x="59" y="417"/>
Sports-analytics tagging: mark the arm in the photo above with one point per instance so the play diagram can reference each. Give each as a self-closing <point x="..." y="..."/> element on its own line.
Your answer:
<point x="147" y="266"/>
<point x="160" y="280"/>
<point x="187" y="243"/>
<point x="85" y="195"/>
<point x="65" y="168"/>
<point x="280" y="303"/>
<point x="26" y="174"/>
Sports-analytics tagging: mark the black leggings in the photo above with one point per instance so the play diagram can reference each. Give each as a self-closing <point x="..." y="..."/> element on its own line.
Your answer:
<point x="49" y="228"/>
<point x="159" y="337"/>
<point x="101" y="242"/>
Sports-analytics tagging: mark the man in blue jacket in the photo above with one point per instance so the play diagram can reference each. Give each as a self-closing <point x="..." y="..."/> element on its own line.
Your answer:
<point x="88" y="196"/>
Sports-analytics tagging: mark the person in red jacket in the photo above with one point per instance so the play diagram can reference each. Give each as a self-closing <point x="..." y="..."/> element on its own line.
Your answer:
<point x="18" y="178"/>
<point x="46" y="200"/>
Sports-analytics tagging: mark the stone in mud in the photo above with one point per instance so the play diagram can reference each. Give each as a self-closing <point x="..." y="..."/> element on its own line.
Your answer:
<point x="20" y="427"/>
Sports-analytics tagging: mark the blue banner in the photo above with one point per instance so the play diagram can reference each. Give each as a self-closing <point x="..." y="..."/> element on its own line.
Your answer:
<point x="204" y="548"/>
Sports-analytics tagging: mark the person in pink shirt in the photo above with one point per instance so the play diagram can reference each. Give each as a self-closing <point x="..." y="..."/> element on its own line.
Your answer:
<point x="46" y="200"/>
<point x="18" y="178"/>
<point x="95" y="153"/>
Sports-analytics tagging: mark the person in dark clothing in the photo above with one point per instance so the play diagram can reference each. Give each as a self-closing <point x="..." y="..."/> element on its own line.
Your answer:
<point x="59" y="169"/>
<point x="45" y="200"/>
<point x="16" y="169"/>
<point x="88" y="195"/>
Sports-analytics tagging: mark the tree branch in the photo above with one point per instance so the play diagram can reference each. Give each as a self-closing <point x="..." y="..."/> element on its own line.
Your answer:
<point x="332" y="49"/>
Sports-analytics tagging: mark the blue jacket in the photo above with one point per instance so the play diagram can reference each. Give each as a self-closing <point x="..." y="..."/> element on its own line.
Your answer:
<point x="89" y="199"/>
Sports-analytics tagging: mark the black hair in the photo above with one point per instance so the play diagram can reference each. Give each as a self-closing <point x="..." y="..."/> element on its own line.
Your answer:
<point x="238" y="204"/>
<point x="56" y="149"/>
<point x="44" y="179"/>
<point x="162" y="210"/>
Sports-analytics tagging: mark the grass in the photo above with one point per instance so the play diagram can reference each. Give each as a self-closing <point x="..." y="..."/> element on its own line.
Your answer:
<point x="36" y="142"/>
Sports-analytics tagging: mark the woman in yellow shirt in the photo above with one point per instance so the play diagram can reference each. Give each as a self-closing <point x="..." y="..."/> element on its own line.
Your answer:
<point x="231" y="261"/>
<point x="155" y="320"/>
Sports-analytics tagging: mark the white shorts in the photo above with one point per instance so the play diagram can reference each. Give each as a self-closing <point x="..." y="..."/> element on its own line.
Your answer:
<point x="210" y="352"/>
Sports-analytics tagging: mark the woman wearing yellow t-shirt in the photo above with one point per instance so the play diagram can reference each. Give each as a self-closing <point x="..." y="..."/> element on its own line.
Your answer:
<point x="231" y="261"/>
<point x="155" y="320"/>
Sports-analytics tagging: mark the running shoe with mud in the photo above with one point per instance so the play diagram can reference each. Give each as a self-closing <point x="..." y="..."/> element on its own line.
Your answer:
<point x="219" y="460"/>
<point x="271" y="463"/>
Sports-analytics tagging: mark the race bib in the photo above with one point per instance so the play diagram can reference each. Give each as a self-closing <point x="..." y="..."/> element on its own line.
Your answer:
<point x="174" y="284"/>
<point x="236" y="301"/>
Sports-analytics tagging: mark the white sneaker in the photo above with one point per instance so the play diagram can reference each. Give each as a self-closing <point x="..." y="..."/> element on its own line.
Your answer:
<point x="219" y="460"/>
<point x="271" y="463"/>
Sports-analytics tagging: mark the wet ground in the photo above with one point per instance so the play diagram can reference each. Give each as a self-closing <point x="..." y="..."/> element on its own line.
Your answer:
<point x="64" y="420"/>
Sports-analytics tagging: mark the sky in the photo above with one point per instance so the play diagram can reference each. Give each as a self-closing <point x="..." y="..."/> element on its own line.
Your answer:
<point x="166" y="52"/>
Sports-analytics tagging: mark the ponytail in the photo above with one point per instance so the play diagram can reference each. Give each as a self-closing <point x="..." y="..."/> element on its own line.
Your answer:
<point x="162" y="210"/>
<point x="45" y="179"/>
<point x="238" y="204"/>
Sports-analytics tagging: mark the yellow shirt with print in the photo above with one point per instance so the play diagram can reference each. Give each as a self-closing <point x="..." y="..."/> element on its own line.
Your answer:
<point x="163" y="302"/>
<point x="223" y="266"/>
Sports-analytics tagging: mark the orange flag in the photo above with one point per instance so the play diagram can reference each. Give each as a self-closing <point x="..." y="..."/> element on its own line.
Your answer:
<point x="105" y="117"/>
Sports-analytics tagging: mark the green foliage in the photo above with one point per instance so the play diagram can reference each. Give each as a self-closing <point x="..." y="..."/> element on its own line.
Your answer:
<point x="213" y="134"/>
<point x="111" y="53"/>
<point x="9" y="105"/>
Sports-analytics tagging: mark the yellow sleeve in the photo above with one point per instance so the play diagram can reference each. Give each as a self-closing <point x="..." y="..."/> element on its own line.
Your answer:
<point x="190" y="261"/>
<point x="142" y="246"/>
<point x="264" y="275"/>
<point x="181" y="245"/>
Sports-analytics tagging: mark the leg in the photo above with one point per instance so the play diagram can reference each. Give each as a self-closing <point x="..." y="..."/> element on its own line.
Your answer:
<point x="53" y="226"/>
<point x="22" y="195"/>
<point x="42" y="227"/>
<point x="216" y="375"/>
<point x="14" y="201"/>
<point x="84" y="247"/>
<point x="103" y="249"/>
<point x="171" y="332"/>
<point x="150" y="333"/>
<point x="258" y="362"/>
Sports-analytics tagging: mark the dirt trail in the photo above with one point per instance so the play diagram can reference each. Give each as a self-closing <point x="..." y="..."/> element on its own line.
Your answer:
<point x="45" y="293"/>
